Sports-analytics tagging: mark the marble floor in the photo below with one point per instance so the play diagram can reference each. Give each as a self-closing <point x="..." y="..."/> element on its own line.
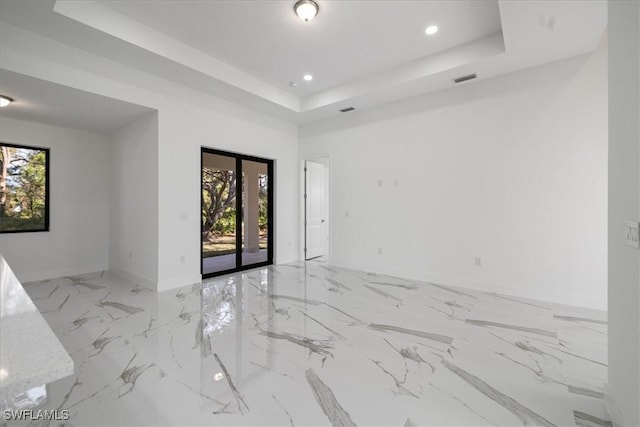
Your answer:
<point x="228" y="261"/>
<point x="308" y="344"/>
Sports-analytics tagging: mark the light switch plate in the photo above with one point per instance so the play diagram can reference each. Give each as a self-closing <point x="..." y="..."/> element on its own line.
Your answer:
<point x="631" y="234"/>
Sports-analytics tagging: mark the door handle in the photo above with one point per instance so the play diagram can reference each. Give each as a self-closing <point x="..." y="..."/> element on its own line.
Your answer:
<point x="322" y="220"/>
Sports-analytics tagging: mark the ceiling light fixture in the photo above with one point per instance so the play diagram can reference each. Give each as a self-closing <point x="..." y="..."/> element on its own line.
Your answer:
<point x="431" y="30"/>
<point x="5" y="100"/>
<point x="307" y="77"/>
<point x="306" y="9"/>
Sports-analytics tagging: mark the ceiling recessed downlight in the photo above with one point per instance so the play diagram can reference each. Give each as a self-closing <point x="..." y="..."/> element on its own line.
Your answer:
<point x="307" y="77"/>
<point x="5" y="100"/>
<point x="306" y="9"/>
<point x="431" y="30"/>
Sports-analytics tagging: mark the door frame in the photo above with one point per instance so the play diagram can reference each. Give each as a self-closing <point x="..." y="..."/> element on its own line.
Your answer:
<point x="239" y="213"/>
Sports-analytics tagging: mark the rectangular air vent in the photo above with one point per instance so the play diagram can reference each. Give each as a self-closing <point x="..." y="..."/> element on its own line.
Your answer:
<point x="465" y="78"/>
<point x="346" y="110"/>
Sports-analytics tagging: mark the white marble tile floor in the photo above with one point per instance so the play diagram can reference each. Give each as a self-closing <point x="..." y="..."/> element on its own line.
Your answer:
<point x="228" y="262"/>
<point x="311" y="345"/>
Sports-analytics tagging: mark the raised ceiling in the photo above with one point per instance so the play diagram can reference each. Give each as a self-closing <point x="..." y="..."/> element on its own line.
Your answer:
<point x="347" y="41"/>
<point x="361" y="53"/>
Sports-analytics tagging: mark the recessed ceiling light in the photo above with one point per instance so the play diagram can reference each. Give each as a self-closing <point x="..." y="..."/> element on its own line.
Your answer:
<point x="308" y="77"/>
<point x="431" y="30"/>
<point x="306" y="9"/>
<point x="5" y="100"/>
<point x="293" y="84"/>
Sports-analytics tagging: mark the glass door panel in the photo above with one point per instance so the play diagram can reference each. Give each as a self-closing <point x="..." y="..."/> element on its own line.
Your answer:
<point x="219" y="208"/>
<point x="255" y="212"/>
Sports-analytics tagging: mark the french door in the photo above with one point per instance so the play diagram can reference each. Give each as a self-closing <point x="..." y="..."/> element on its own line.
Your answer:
<point x="237" y="212"/>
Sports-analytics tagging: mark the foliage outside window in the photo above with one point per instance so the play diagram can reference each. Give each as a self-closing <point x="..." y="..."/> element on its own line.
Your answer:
<point x="24" y="189"/>
<point x="219" y="211"/>
<point x="263" y="201"/>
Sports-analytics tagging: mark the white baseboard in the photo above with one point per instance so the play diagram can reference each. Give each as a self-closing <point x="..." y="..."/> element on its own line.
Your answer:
<point x="613" y="409"/>
<point x="557" y="296"/>
<point x="284" y="261"/>
<point x="177" y="282"/>
<point x="36" y="276"/>
<point x="157" y="286"/>
<point x="147" y="283"/>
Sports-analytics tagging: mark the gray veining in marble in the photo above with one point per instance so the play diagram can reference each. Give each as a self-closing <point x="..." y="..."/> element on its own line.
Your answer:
<point x="409" y="287"/>
<point x="291" y="423"/>
<point x="586" y="392"/>
<point x="325" y="398"/>
<point x="580" y="319"/>
<point x="307" y="344"/>
<point x="242" y="405"/>
<point x="383" y="293"/>
<point x="123" y="307"/>
<point x="314" y="346"/>
<point x="427" y="335"/>
<point x="514" y="327"/>
<point x="587" y="420"/>
<point x="526" y="415"/>
<point x="130" y="375"/>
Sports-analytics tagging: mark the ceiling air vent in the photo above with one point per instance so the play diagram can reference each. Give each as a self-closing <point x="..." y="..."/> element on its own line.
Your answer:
<point x="346" y="110"/>
<point x="465" y="78"/>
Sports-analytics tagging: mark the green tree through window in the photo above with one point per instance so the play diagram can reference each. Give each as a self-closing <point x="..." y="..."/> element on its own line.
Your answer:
<point x="23" y="189"/>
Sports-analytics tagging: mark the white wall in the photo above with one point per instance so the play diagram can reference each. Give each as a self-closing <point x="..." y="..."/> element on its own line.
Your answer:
<point x="182" y="134"/>
<point x="79" y="202"/>
<point x="623" y="391"/>
<point x="187" y="120"/>
<point x="133" y="212"/>
<point x="512" y="170"/>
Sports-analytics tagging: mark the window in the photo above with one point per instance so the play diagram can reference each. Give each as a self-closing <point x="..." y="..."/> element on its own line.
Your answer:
<point x="24" y="188"/>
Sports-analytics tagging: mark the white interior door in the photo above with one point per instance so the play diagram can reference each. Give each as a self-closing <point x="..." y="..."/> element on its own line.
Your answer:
<point x="314" y="210"/>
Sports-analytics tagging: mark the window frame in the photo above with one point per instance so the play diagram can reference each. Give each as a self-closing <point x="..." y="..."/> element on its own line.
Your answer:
<point x="47" y="192"/>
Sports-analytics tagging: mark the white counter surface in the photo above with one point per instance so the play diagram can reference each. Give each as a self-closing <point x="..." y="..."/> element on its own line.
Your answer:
<point x="30" y="353"/>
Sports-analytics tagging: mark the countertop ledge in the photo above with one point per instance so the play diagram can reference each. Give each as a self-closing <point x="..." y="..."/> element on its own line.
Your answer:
<point x="30" y="353"/>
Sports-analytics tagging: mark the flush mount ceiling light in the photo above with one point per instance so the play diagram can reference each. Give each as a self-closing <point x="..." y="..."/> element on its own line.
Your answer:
<point x="5" y="100"/>
<point x="307" y="77"/>
<point x="306" y="9"/>
<point x="431" y="30"/>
